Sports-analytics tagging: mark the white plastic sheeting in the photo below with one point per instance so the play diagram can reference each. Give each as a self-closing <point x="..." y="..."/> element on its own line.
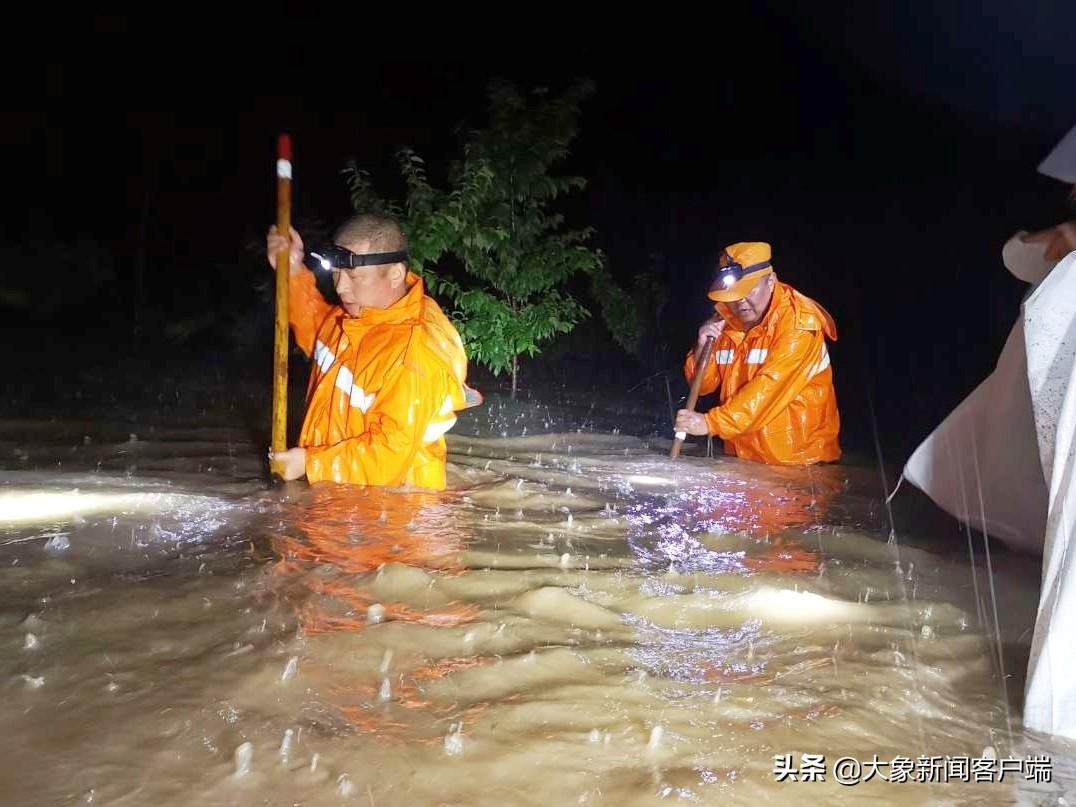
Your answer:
<point x="982" y="463"/>
<point x="1061" y="162"/>
<point x="1004" y="462"/>
<point x="1050" y="322"/>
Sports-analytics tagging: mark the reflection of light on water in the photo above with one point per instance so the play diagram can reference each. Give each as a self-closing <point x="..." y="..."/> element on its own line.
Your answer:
<point x="643" y="479"/>
<point x="28" y="507"/>
<point x="705" y="656"/>
<point x="663" y="531"/>
<point x="172" y="517"/>
<point x="802" y="606"/>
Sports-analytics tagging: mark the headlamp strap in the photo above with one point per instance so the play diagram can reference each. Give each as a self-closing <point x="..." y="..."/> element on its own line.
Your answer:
<point x="340" y="258"/>
<point x="738" y="270"/>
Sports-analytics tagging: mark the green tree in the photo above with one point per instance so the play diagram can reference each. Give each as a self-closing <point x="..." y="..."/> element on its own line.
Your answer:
<point x="518" y="259"/>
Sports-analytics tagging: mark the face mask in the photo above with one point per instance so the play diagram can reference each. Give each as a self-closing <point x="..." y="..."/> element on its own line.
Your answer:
<point x="1025" y="258"/>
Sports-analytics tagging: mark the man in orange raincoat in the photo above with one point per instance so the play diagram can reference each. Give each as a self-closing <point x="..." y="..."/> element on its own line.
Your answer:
<point x="770" y="363"/>
<point x="389" y="369"/>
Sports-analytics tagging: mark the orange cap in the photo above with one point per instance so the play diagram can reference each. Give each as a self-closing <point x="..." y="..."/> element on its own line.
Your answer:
<point x="739" y="270"/>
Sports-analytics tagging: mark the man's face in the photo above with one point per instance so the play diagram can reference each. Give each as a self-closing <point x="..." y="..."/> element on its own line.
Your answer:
<point x="368" y="286"/>
<point x="752" y="308"/>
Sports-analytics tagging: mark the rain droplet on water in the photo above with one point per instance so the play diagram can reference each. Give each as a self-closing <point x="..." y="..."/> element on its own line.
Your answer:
<point x="285" y="744"/>
<point x="290" y="669"/>
<point x="243" y="756"/>
<point x="454" y="740"/>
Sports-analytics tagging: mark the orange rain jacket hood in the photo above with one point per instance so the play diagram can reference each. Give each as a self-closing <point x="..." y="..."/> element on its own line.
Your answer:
<point x="778" y="404"/>
<point x="384" y="388"/>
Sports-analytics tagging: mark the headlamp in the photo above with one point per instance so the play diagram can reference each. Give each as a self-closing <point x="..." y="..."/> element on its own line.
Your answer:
<point x="334" y="257"/>
<point x="730" y="272"/>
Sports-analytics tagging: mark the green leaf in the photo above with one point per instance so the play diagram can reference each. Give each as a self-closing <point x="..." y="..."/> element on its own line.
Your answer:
<point x="491" y="245"/>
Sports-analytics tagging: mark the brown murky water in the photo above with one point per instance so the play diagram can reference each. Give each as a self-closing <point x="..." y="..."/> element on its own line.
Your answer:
<point x="579" y="620"/>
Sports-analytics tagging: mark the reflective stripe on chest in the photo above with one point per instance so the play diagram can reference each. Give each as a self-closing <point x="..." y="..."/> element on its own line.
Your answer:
<point x="345" y="379"/>
<point x="756" y="355"/>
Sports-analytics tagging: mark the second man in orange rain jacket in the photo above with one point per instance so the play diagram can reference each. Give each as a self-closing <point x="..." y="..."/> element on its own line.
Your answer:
<point x="384" y="388"/>
<point x="778" y="403"/>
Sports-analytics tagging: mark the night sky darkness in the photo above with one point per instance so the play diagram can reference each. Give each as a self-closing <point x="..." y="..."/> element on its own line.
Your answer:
<point x="885" y="154"/>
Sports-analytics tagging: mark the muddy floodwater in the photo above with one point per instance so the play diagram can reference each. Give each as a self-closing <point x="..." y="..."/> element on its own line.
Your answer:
<point x="578" y="620"/>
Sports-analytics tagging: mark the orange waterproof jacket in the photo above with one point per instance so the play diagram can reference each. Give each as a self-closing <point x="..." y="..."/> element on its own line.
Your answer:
<point x="384" y="388"/>
<point x="778" y="404"/>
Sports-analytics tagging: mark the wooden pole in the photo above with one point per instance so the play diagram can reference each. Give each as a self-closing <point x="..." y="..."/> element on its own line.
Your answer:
<point x="693" y="396"/>
<point x="283" y="270"/>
